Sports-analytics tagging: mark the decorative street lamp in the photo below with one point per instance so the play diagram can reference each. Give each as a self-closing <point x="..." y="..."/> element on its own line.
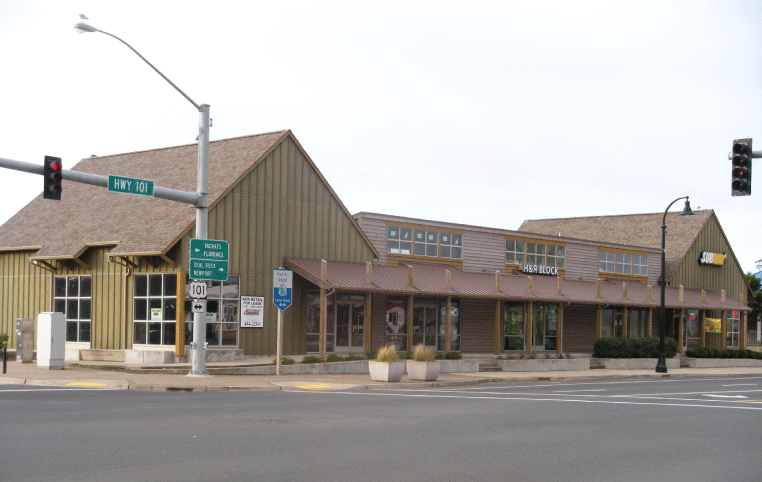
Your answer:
<point x="198" y="361"/>
<point x="661" y="365"/>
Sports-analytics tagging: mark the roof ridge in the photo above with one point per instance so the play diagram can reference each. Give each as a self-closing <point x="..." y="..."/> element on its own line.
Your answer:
<point x="616" y="215"/>
<point x="159" y="149"/>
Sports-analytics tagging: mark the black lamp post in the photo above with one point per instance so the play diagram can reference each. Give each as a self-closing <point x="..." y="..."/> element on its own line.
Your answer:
<point x="661" y="366"/>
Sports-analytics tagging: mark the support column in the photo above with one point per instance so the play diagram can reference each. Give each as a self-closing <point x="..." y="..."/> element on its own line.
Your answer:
<point x="650" y="330"/>
<point x="702" y="327"/>
<point x="680" y="337"/>
<point x="497" y="327"/>
<point x="323" y="324"/>
<point x="530" y="332"/>
<point x="724" y="331"/>
<point x="742" y="332"/>
<point x="367" y="322"/>
<point x="448" y="326"/>
<point x="180" y="316"/>
<point x="625" y="322"/>
<point x="409" y="322"/>
<point x="560" y="330"/>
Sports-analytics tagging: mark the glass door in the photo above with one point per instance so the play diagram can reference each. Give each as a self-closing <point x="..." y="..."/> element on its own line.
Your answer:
<point x="349" y="323"/>
<point x="425" y="323"/>
<point x="691" y="330"/>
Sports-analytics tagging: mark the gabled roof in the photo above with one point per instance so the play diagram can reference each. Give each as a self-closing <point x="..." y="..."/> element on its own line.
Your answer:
<point x="632" y="229"/>
<point x="432" y="280"/>
<point x="136" y="225"/>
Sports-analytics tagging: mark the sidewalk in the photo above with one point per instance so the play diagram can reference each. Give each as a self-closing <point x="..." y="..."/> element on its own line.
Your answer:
<point x="114" y="376"/>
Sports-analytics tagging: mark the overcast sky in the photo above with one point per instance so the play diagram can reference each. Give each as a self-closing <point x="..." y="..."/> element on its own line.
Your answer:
<point x="482" y="113"/>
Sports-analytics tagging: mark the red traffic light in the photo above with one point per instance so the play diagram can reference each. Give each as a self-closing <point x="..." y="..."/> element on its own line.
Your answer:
<point x="52" y="174"/>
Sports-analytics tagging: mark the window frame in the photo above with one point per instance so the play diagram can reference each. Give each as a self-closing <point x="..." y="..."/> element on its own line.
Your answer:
<point x="521" y="251"/>
<point x="622" y="263"/>
<point x="82" y="324"/>
<point x="424" y="242"/>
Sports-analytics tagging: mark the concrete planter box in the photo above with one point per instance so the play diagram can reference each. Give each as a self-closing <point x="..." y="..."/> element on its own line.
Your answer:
<point x="636" y="363"/>
<point x="427" y="371"/>
<point x="544" y="365"/>
<point x="722" y="362"/>
<point x="386" y="372"/>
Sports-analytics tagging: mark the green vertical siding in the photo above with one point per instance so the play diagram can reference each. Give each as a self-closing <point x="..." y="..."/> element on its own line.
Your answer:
<point x="25" y="291"/>
<point x="728" y="277"/>
<point x="281" y="209"/>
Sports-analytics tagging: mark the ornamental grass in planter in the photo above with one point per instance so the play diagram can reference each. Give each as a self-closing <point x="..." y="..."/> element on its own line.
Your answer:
<point x="424" y="365"/>
<point x="387" y="366"/>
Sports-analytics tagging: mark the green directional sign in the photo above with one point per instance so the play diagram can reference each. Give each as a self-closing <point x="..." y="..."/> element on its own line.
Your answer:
<point x="208" y="259"/>
<point x="212" y="270"/>
<point x="129" y="185"/>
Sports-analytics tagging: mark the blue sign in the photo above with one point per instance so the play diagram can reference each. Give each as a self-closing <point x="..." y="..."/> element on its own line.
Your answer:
<point x="282" y="287"/>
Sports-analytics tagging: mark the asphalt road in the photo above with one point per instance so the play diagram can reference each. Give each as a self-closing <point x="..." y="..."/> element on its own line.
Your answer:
<point x="649" y="430"/>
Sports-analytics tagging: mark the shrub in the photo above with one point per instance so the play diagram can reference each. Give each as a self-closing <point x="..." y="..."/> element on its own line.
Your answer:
<point x="453" y="355"/>
<point x="633" y="348"/>
<point x="3" y="339"/>
<point x="333" y="357"/>
<point x="284" y="361"/>
<point x="388" y="354"/>
<point x="309" y="359"/>
<point x="421" y="354"/>
<point x="715" y="353"/>
<point x="354" y="357"/>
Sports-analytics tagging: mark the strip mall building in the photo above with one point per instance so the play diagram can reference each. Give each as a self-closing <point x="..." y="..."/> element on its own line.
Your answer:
<point x="118" y="268"/>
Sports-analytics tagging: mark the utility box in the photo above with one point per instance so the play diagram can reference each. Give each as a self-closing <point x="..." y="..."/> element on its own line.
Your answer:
<point x="51" y="340"/>
<point x="24" y="340"/>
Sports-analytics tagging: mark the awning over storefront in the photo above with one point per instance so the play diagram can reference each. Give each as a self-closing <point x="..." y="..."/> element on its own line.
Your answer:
<point x="423" y="279"/>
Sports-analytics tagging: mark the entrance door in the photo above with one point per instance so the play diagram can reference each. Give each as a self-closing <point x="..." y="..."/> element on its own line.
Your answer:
<point x="691" y="330"/>
<point x="350" y="318"/>
<point x="425" y="323"/>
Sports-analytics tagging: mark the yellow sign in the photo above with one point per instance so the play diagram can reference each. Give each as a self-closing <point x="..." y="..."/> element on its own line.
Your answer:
<point x="712" y="325"/>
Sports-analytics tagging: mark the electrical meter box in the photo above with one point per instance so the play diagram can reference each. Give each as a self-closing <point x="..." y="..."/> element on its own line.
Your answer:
<point x="51" y="340"/>
<point x="24" y="340"/>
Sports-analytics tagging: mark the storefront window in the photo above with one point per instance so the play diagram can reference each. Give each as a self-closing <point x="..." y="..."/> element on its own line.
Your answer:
<point x="73" y="297"/>
<point x="612" y="320"/>
<point x="637" y="322"/>
<point x="154" y="309"/>
<point x="313" y="322"/>
<point x="544" y="325"/>
<point x="454" y="325"/>
<point x="733" y="329"/>
<point x="515" y="318"/>
<point x="396" y="326"/>
<point x="222" y="318"/>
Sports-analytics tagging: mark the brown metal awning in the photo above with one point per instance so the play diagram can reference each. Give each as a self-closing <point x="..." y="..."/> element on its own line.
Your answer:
<point x="422" y="279"/>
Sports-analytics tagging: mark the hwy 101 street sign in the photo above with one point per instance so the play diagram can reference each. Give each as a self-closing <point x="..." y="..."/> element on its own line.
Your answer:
<point x="208" y="259"/>
<point x="130" y="185"/>
<point x="282" y="284"/>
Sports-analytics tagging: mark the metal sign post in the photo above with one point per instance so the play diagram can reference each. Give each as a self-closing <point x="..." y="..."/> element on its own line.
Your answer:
<point x="282" y="288"/>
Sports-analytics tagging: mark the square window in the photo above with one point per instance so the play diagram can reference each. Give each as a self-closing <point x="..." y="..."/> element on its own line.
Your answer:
<point x="406" y="234"/>
<point x="154" y="285"/>
<point x="141" y="285"/>
<point x="392" y="233"/>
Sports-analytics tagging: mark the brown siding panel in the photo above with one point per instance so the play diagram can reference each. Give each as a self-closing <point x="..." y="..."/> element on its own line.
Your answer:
<point x="579" y="328"/>
<point x="477" y="326"/>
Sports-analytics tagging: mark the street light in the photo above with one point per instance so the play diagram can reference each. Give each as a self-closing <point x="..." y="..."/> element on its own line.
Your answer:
<point x="661" y="365"/>
<point x="198" y="349"/>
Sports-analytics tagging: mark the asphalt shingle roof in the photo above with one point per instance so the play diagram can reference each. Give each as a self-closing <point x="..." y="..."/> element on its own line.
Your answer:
<point x="134" y="225"/>
<point x="630" y="230"/>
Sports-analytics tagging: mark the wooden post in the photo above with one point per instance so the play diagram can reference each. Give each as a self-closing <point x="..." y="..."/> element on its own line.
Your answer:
<point x="180" y="315"/>
<point x="323" y="323"/>
<point x="529" y="285"/>
<point x="497" y="327"/>
<point x="680" y="338"/>
<point x="409" y="321"/>
<point x="724" y="330"/>
<point x="497" y="281"/>
<point x="369" y="272"/>
<point x="625" y="323"/>
<point x="530" y="332"/>
<point x="702" y="320"/>
<point x="448" y="279"/>
<point x="367" y="322"/>
<point x="560" y="329"/>
<point x="448" y="325"/>
<point x="558" y="286"/>
<point x="650" y="321"/>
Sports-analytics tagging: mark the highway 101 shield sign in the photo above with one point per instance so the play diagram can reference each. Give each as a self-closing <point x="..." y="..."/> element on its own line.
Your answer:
<point x="282" y="283"/>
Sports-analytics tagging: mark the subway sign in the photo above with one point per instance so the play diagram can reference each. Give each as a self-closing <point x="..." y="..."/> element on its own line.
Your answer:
<point x="712" y="259"/>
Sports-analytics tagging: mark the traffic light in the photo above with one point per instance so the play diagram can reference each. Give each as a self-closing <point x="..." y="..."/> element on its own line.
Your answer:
<point x="741" y="167"/>
<point x="52" y="174"/>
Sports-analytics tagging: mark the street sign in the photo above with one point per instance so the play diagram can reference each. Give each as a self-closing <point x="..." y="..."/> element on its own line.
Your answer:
<point x="282" y="285"/>
<point x="208" y="259"/>
<point x="198" y="290"/>
<point x="198" y="306"/>
<point x="129" y="185"/>
<point x="208" y="270"/>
